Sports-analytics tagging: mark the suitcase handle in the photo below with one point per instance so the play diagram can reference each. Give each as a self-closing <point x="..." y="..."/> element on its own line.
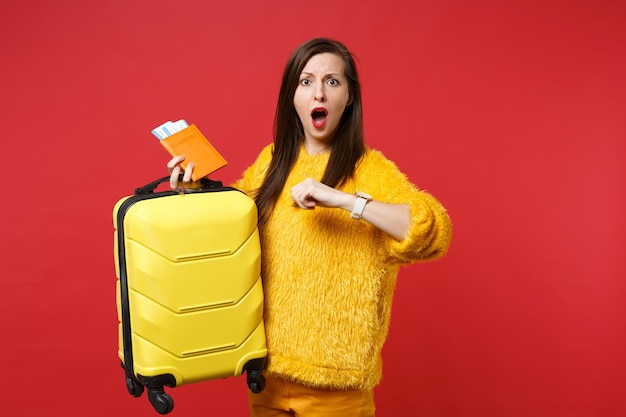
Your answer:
<point x="205" y="183"/>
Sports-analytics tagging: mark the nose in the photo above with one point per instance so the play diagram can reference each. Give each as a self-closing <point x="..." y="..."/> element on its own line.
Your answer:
<point x="320" y="95"/>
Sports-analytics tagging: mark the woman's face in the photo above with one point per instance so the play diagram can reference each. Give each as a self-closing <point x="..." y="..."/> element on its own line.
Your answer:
<point x="321" y="97"/>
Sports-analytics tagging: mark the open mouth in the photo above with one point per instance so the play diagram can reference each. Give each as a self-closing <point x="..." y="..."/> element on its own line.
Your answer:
<point x="319" y="115"/>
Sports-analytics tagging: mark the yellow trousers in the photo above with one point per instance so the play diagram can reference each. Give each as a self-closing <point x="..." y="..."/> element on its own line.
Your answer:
<point x="282" y="398"/>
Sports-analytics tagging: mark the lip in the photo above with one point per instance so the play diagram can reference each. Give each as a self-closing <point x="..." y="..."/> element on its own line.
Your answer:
<point x="319" y="115"/>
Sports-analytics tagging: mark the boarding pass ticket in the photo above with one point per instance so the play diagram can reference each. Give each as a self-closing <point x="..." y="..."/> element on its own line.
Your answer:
<point x="169" y="128"/>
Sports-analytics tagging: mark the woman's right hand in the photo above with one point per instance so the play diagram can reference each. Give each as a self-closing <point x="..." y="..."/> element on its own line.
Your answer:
<point x="174" y="168"/>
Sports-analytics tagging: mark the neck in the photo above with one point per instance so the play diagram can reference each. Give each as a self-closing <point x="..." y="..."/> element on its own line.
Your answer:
<point x="314" y="149"/>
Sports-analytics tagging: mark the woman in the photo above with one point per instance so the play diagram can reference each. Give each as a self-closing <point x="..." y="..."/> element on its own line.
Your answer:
<point x="336" y="219"/>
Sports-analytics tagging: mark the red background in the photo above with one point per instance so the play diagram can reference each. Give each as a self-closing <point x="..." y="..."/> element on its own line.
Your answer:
<point x="511" y="112"/>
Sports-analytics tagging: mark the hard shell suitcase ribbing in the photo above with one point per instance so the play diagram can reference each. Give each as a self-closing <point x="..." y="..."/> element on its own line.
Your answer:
<point x="189" y="295"/>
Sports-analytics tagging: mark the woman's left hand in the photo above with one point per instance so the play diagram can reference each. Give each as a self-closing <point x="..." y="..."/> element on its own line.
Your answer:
<point x="393" y="219"/>
<point x="310" y="193"/>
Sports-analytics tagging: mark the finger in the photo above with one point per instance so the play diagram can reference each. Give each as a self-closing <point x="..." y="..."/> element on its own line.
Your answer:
<point x="188" y="171"/>
<point x="296" y="199"/>
<point x="309" y="202"/>
<point x="172" y="163"/>
<point x="303" y="200"/>
<point x="174" y="177"/>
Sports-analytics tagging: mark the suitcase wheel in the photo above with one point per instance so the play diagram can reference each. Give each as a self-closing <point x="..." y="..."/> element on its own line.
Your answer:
<point x="160" y="400"/>
<point x="134" y="388"/>
<point x="255" y="380"/>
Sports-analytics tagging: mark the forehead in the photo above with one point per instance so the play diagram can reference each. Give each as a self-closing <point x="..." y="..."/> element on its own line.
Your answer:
<point x="325" y="63"/>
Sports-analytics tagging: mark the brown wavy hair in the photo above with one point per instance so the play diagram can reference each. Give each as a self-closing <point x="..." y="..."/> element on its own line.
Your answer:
<point x="348" y="143"/>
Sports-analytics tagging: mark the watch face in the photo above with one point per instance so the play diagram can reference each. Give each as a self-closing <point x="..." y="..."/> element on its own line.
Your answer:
<point x="362" y="194"/>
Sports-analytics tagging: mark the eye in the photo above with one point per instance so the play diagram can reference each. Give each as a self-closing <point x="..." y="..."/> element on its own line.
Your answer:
<point x="332" y="82"/>
<point x="305" y="81"/>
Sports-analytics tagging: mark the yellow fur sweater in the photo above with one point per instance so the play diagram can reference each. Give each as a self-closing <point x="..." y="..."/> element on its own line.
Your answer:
<point x="329" y="279"/>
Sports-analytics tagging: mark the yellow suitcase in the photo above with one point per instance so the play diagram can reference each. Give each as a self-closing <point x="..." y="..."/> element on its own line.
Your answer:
<point x="189" y="295"/>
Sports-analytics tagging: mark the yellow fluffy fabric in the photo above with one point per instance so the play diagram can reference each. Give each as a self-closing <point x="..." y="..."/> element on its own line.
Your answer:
<point x="329" y="280"/>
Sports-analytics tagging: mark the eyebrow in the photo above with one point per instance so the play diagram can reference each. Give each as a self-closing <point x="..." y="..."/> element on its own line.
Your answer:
<point x="331" y="74"/>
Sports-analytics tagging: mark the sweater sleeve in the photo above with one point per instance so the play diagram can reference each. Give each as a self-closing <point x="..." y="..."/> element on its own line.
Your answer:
<point x="253" y="176"/>
<point x="430" y="231"/>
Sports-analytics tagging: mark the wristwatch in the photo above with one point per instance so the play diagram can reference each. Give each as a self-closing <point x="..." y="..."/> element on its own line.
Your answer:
<point x="361" y="200"/>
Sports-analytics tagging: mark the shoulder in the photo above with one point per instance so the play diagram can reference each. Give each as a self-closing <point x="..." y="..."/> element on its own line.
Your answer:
<point x="267" y="151"/>
<point x="254" y="174"/>
<point x="380" y="175"/>
<point x="263" y="158"/>
<point x="375" y="163"/>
